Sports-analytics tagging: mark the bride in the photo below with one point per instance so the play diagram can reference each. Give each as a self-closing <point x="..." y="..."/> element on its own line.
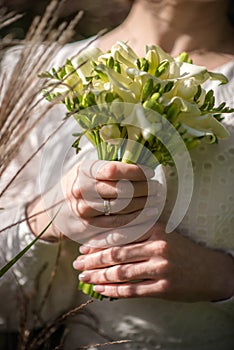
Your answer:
<point x="184" y="297"/>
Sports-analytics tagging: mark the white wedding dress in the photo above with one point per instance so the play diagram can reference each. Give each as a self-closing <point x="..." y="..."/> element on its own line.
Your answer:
<point x="150" y="323"/>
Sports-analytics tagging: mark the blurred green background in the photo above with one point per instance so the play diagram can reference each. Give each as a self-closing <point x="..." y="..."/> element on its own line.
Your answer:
<point x="98" y="14"/>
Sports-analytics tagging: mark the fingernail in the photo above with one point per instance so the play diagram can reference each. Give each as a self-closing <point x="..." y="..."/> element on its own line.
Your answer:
<point x="99" y="288"/>
<point x="84" y="277"/>
<point x="78" y="265"/>
<point x="84" y="249"/>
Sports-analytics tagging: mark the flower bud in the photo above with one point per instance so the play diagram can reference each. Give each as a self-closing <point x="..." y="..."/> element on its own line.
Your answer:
<point x="144" y="64"/>
<point x="73" y="80"/>
<point x="153" y="59"/>
<point x="110" y="133"/>
<point x="173" y="111"/>
<point x="147" y="89"/>
<point x="110" y="62"/>
<point x="184" y="57"/>
<point x="187" y="89"/>
<point x="117" y="67"/>
<point x="150" y="132"/>
<point x="88" y="99"/>
<point x="163" y="70"/>
<point x="155" y="106"/>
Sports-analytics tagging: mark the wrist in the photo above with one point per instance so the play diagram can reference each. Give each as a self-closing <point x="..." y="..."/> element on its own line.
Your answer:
<point x="38" y="218"/>
<point x="223" y="285"/>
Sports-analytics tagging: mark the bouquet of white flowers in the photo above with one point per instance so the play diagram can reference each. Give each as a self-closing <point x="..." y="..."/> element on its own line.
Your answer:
<point x="131" y="108"/>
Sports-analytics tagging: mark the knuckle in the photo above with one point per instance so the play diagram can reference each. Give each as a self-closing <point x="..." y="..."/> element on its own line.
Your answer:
<point x="104" y="188"/>
<point x="161" y="247"/>
<point x="115" y="253"/>
<point x="128" y="291"/>
<point x="123" y="274"/>
<point x="100" y="187"/>
<point x="82" y="208"/>
<point x="76" y="190"/>
<point x="164" y="286"/>
<point x="110" y="170"/>
<point x="164" y="267"/>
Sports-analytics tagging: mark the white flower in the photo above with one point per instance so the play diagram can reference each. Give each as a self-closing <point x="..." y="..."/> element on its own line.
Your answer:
<point x="83" y="62"/>
<point x="111" y="133"/>
<point x="204" y="125"/>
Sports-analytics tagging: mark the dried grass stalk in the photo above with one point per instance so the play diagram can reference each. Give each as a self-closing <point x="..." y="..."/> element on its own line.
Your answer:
<point x="19" y="87"/>
<point x="19" y="102"/>
<point x="8" y="17"/>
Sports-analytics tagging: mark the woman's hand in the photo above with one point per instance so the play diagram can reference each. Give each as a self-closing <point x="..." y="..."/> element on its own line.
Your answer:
<point x="168" y="266"/>
<point x="82" y="191"/>
<point x="127" y="186"/>
<point x="134" y="199"/>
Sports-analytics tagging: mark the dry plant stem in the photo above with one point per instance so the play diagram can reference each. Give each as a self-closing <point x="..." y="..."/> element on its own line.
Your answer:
<point x="49" y="285"/>
<point x="15" y="123"/>
<point x="31" y="217"/>
<point x="99" y="345"/>
<point x="19" y="94"/>
<point x="90" y="42"/>
<point x="31" y="157"/>
<point x="52" y="275"/>
<point x="93" y="323"/>
<point x="18" y="106"/>
<point x="61" y="345"/>
<point x="51" y="327"/>
<point x="7" y="18"/>
<point x="22" y="302"/>
<point x="17" y="118"/>
<point x="25" y="332"/>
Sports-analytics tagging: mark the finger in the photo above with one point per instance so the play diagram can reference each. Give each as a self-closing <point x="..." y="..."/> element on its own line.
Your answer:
<point x="114" y="170"/>
<point x="146" y="250"/>
<point x="118" y="170"/>
<point x="118" y="273"/>
<point x="95" y="232"/>
<point x="125" y="189"/>
<point x="87" y="209"/>
<point x="136" y="229"/>
<point x="113" y="256"/>
<point x="148" y="288"/>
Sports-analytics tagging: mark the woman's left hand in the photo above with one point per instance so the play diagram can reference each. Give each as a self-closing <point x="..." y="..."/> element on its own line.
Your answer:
<point x="168" y="266"/>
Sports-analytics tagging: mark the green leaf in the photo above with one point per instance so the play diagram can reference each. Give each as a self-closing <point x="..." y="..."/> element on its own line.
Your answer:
<point x="46" y="74"/>
<point x="5" y="268"/>
<point x="198" y="93"/>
